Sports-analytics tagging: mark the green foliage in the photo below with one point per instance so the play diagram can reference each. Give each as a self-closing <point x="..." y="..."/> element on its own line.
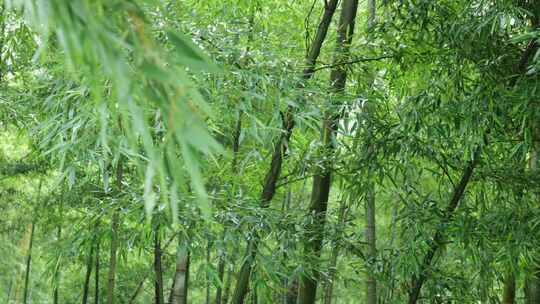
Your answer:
<point x="166" y="114"/>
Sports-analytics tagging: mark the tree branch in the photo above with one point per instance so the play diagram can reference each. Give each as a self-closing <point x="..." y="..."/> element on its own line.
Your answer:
<point x="357" y="60"/>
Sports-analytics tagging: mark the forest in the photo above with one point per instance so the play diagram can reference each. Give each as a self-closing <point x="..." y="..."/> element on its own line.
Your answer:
<point x="269" y="151"/>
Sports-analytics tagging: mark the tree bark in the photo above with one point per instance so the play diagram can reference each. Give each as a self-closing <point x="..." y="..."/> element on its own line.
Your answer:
<point x="90" y="261"/>
<point x="274" y="171"/>
<point x="158" y="282"/>
<point x="437" y="241"/>
<point x="323" y="177"/>
<point x="179" y="292"/>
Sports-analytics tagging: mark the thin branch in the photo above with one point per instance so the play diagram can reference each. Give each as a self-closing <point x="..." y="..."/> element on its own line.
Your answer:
<point x="358" y="60"/>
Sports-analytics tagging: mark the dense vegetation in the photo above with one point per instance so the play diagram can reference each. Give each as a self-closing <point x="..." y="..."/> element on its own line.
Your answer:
<point x="235" y="151"/>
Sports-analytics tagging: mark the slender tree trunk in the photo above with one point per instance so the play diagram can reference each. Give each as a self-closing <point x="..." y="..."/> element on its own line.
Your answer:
<point x="371" y="282"/>
<point x="89" y="263"/>
<point x="152" y="267"/>
<point x="323" y="177"/>
<point x="280" y="147"/>
<point x="290" y="284"/>
<point x="179" y="292"/>
<point x="115" y="223"/>
<point x="57" y="272"/>
<point x="112" y="258"/>
<point x="28" y="264"/>
<point x="96" y="275"/>
<point x="438" y="238"/>
<point x="315" y="49"/>
<point x="158" y="282"/>
<point x="19" y="276"/>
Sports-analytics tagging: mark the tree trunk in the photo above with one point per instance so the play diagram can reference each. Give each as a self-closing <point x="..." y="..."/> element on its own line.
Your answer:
<point x="96" y="276"/>
<point x="179" y="292"/>
<point x="57" y="272"/>
<point x="158" y="282"/>
<point x="90" y="261"/>
<point x="28" y="264"/>
<point x="114" y="239"/>
<point x="438" y="238"/>
<point x="112" y="258"/>
<point x="323" y="177"/>
<point x="290" y="284"/>
<point x="280" y="147"/>
<point x="315" y="49"/>
<point x="371" y="282"/>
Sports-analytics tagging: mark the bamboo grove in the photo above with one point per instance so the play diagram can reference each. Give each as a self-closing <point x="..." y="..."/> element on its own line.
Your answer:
<point x="288" y="152"/>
